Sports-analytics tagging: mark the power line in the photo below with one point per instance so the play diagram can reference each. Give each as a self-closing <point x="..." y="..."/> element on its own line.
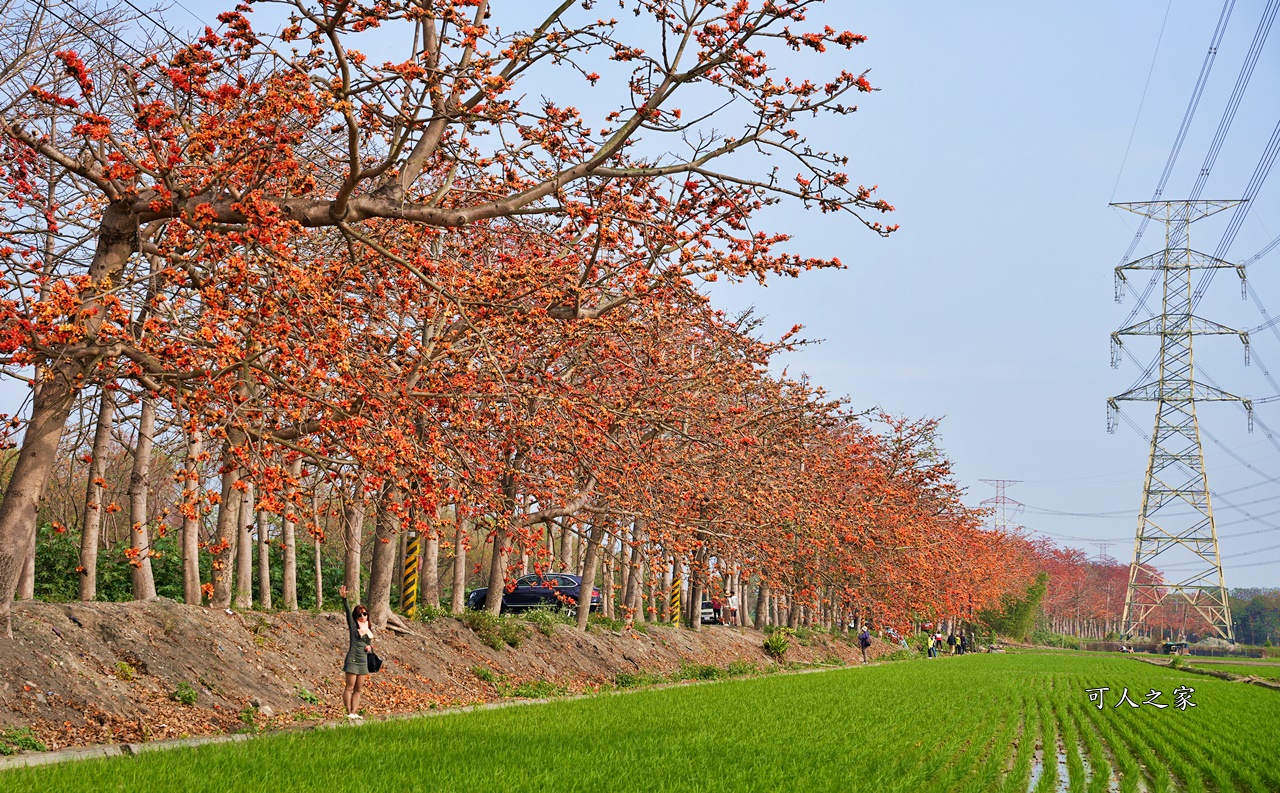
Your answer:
<point x="1151" y="70"/>
<point x="1187" y="115"/>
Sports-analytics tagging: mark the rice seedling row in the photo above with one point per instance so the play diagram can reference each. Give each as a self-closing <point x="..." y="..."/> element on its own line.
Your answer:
<point x="1009" y="723"/>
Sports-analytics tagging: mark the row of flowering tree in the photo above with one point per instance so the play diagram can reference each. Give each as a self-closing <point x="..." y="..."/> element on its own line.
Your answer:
<point x="377" y="274"/>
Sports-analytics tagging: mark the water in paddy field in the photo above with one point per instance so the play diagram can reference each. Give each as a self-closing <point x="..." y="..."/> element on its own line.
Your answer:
<point x="1064" y="773"/>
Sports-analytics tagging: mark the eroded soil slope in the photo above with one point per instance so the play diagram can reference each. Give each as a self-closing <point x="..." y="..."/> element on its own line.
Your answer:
<point x="82" y="673"/>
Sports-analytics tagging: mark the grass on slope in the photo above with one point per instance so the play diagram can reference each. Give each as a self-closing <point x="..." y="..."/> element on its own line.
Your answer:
<point x="970" y="723"/>
<point x="1271" y="671"/>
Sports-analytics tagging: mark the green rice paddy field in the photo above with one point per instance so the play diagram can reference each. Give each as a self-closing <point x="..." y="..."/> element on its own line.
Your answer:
<point x="975" y="723"/>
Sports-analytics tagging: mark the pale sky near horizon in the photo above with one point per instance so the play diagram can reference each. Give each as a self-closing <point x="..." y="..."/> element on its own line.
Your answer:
<point x="1001" y="132"/>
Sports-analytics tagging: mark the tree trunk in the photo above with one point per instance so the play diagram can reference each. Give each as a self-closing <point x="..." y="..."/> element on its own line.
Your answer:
<point x="458" y="594"/>
<point x="695" y="598"/>
<point x="668" y="578"/>
<point x="566" y="548"/>
<point x="52" y="400"/>
<point x="288" y="540"/>
<point x="27" y="580"/>
<point x="264" y="559"/>
<point x="386" y="527"/>
<point x="144" y="582"/>
<point x="591" y="559"/>
<point x="93" y="507"/>
<point x="315" y="541"/>
<point x="606" y="585"/>
<point x="762" y="606"/>
<point x="191" y="594"/>
<point x="244" y="550"/>
<point x="319" y="575"/>
<point x="227" y="532"/>
<point x="430" y="562"/>
<point x="497" y="572"/>
<point x="353" y="537"/>
<point x="624" y="568"/>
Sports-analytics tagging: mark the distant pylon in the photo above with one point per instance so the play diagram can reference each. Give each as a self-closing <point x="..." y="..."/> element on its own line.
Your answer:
<point x="1001" y="503"/>
<point x="1176" y="477"/>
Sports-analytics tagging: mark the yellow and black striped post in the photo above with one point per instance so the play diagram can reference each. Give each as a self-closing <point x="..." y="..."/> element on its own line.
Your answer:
<point x="674" y="599"/>
<point x="409" y="587"/>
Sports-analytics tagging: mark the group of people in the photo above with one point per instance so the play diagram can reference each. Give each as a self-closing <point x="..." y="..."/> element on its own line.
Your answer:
<point x="726" y="609"/>
<point x="959" y="644"/>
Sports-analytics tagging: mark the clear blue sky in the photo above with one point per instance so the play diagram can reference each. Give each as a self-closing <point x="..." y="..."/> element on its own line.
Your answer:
<point x="1001" y="133"/>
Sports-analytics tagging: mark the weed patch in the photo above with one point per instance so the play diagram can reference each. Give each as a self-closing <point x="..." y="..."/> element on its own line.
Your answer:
<point x="185" y="694"/>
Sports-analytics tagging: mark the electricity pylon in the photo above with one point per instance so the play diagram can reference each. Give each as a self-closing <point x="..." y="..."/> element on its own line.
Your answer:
<point x="1001" y="503"/>
<point x="1175" y="477"/>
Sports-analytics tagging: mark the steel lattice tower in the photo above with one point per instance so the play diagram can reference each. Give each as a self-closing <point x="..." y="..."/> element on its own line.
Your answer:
<point x="1001" y="503"/>
<point x="1176" y="509"/>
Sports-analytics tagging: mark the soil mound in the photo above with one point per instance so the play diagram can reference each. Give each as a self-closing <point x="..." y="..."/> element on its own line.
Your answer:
<point x="84" y="673"/>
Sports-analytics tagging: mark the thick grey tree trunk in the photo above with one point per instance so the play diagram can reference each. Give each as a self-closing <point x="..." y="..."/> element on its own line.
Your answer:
<point x="227" y="531"/>
<point x="353" y="536"/>
<point x="387" y="526"/>
<point x="590" y="561"/>
<point x="144" y="582"/>
<point x="93" y="506"/>
<point x="497" y="571"/>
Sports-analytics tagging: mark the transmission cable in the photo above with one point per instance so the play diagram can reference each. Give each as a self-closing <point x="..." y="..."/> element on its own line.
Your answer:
<point x="1181" y="137"/>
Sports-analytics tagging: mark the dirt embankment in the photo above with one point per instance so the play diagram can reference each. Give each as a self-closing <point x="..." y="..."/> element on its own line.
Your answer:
<point x="85" y="673"/>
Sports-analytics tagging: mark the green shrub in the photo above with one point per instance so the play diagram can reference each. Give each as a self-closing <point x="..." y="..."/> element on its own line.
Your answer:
<point x="777" y="644"/>
<point x="1175" y="662"/>
<point x="494" y="631"/>
<point x="900" y="654"/>
<point x="185" y="694"/>
<point x="538" y="689"/>
<point x="545" y="619"/>
<point x="740" y="669"/>
<point x="637" y="679"/>
<point x="698" y="672"/>
<point x="125" y="672"/>
<point x="513" y="632"/>
<point x="427" y="613"/>
<point x="1016" y="615"/>
<point x="597" y="620"/>
<point x="486" y="627"/>
<point x="21" y="739"/>
<point x="485" y="673"/>
<point x="308" y="697"/>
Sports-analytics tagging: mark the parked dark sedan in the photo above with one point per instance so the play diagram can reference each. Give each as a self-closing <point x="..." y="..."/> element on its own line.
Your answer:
<point x="556" y="590"/>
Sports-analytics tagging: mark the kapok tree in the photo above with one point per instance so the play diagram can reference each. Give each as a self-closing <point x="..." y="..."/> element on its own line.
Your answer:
<point x="232" y="132"/>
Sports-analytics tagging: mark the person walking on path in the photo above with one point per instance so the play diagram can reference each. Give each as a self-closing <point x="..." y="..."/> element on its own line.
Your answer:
<point x="733" y="608"/>
<point x="964" y="643"/>
<point x="933" y="650"/>
<point x="864" y="641"/>
<point x="953" y="643"/>
<point x="356" y="665"/>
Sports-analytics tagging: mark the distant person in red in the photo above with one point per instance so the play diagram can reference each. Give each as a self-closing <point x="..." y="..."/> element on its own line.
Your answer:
<point x="716" y="605"/>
